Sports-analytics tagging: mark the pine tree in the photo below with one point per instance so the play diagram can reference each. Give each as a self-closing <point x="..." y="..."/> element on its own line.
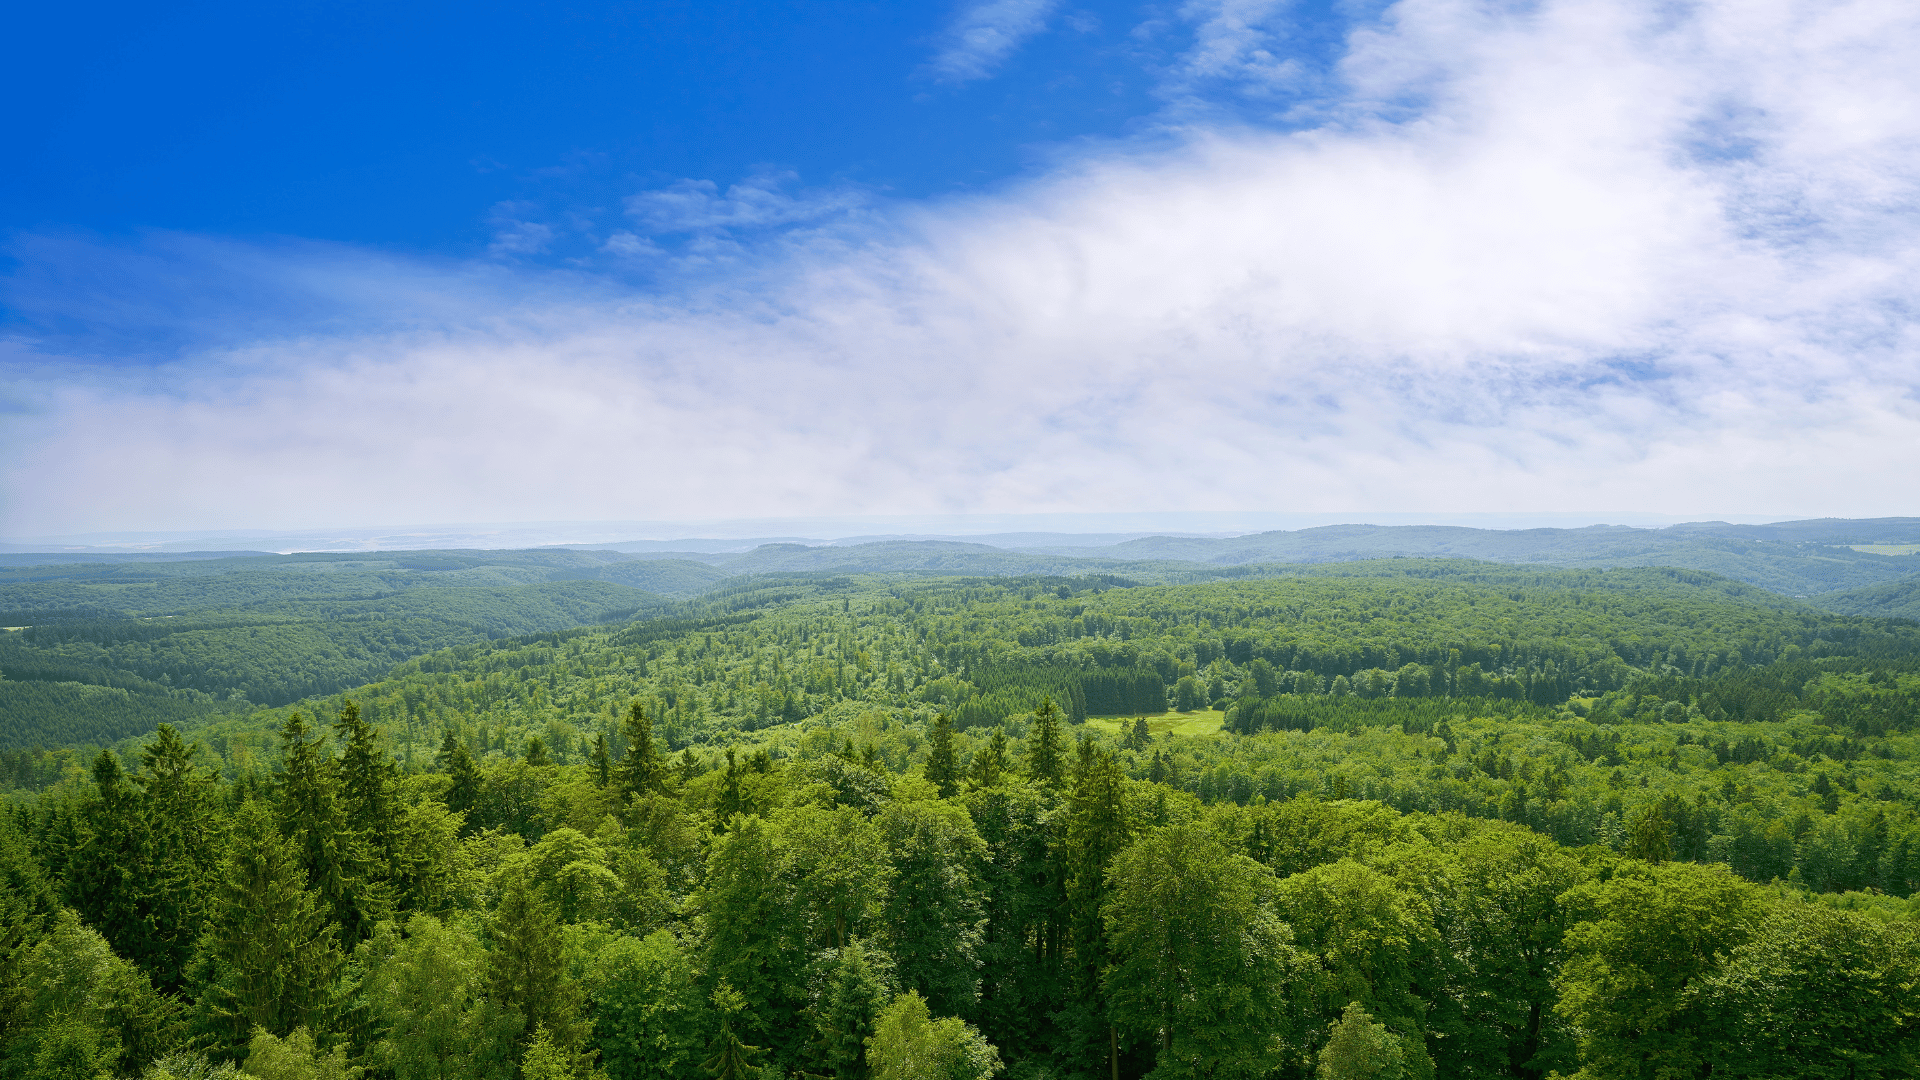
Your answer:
<point x="641" y="771"/>
<point x="182" y="833"/>
<point x="527" y="972"/>
<point x="269" y="954"/>
<point x="941" y="770"/>
<point x="602" y="763"/>
<point x="989" y="763"/>
<point x="309" y="798"/>
<point x="845" y="1022"/>
<point x="367" y="776"/>
<point x="1045" y="749"/>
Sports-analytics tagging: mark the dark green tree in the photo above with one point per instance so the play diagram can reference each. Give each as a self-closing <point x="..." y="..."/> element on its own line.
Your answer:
<point x="308" y="796"/>
<point x="601" y="762"/>
<point x="1046" y="747"/>
<point x="641" y="772"/>
<point x="269" y="953"/>
<point x="367" y="779"/>
<point x="527" y="970"/>
<point x="185" y="851"/>
<point x="843" y="1018"/>
<point x="731" y="1059"/>
<point x="989" y="763"/>
<point x="942" y="769"/>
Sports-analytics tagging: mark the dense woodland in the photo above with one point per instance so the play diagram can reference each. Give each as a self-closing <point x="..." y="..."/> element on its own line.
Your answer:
<point x="1453" y="820"/>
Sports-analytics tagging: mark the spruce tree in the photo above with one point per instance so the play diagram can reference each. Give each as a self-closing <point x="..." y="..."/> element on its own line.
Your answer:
<point x="1098" y="828"/>
<point x="269" y="953"/>
<point x="1045" y="749"/>
<point x="600" y="760"/>
<point x="527" y="969"/>
<point x="108" y="880"/>
<point x="309" y="798"/>
<point x="989" y="763"/>
<point x="845" y="1021"/>
<point x="182" y="832"/>
<point x="641" y="771"/>
<point x="731" y="1058"/>
<point x="367" y="777"/>
<point x="941" y="770"/>
<point x="463" y="781"/>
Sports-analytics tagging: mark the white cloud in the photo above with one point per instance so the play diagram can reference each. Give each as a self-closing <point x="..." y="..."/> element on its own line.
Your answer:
<point x="984" y="35"/>
<point x="1237" y="44"/>
<point x="1614" y="255"/>
<point x="760" y="201"/>
<point x="513" y="235"/>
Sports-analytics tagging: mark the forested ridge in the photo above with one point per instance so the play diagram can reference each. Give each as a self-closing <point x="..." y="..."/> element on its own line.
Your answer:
<point x="99" y="652"/>
<point x="1456" y="820"/>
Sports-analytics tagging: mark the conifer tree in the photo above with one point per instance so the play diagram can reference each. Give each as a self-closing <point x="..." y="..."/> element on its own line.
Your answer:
<point x="308" y="795"/>
<point x="367" y="776"/>
<point x="184" y="853"/>
<point x="1098" y="828"/>
<point x="845" y="1022"/>
<point x="1045" y="748"/>
<point x="641" y="771"/>
<point x="941" y="769"/>
<point x="108" y="878"/>
<point x="463" y="779"/>
<point x="526" y="971"/>
<point x="990" y="762"/>
<point x="731" y="1059"/>
<point x="269" y="953"/>
<point x="600" y="760"/>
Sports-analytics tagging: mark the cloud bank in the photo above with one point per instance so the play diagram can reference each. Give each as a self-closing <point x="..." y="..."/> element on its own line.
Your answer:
<point x="1533" y="257"/>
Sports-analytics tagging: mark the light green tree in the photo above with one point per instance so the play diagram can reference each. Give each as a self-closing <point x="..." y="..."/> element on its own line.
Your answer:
<point x="648" y="1018"/>
<point x="1646" y="937"/>
<point x="423" y="988"/>
<point x="295" y="1057"/>
<point x="1200" y="963"/>
<point x="1359" y="1049"/>
<point x="908" y="1044"/>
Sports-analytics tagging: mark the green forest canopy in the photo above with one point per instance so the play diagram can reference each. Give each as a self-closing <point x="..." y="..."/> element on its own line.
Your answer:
<point x="1461" y="820"/>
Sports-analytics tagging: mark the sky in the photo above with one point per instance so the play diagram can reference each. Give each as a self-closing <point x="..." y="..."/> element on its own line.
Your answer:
<point x="282" y="266"/>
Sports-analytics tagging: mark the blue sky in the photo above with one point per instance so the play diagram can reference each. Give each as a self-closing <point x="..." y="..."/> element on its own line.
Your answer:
<point x="272" y="266"/>
<point x="401" y="125"/>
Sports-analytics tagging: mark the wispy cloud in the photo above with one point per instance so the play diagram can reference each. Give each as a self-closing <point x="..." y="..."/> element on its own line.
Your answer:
<point x="1545" y="284"/>
<point x="760" y="201"/>
<point x="514" y="234"/>
<point x="984" y="35"/>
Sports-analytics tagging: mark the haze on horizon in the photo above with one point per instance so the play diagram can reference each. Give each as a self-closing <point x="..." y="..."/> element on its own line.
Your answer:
<point x="1441" y="257"/>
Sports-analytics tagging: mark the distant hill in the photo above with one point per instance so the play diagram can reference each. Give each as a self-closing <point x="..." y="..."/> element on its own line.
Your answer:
<point x="94" y="651"/>
<point x="1796" y="558"/>
<point x="1893" y="600"/>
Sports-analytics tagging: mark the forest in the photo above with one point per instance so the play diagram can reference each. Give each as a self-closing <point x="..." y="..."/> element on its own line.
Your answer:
<point x="1404" y="818"/>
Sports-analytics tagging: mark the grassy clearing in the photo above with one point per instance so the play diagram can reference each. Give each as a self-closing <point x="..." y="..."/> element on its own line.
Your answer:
<point x="1888" y="549"/>
<point x="1204" y="722"/>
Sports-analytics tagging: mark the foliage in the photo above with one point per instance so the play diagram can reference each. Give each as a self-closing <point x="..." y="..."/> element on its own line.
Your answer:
<point x="1460" y="821"/>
